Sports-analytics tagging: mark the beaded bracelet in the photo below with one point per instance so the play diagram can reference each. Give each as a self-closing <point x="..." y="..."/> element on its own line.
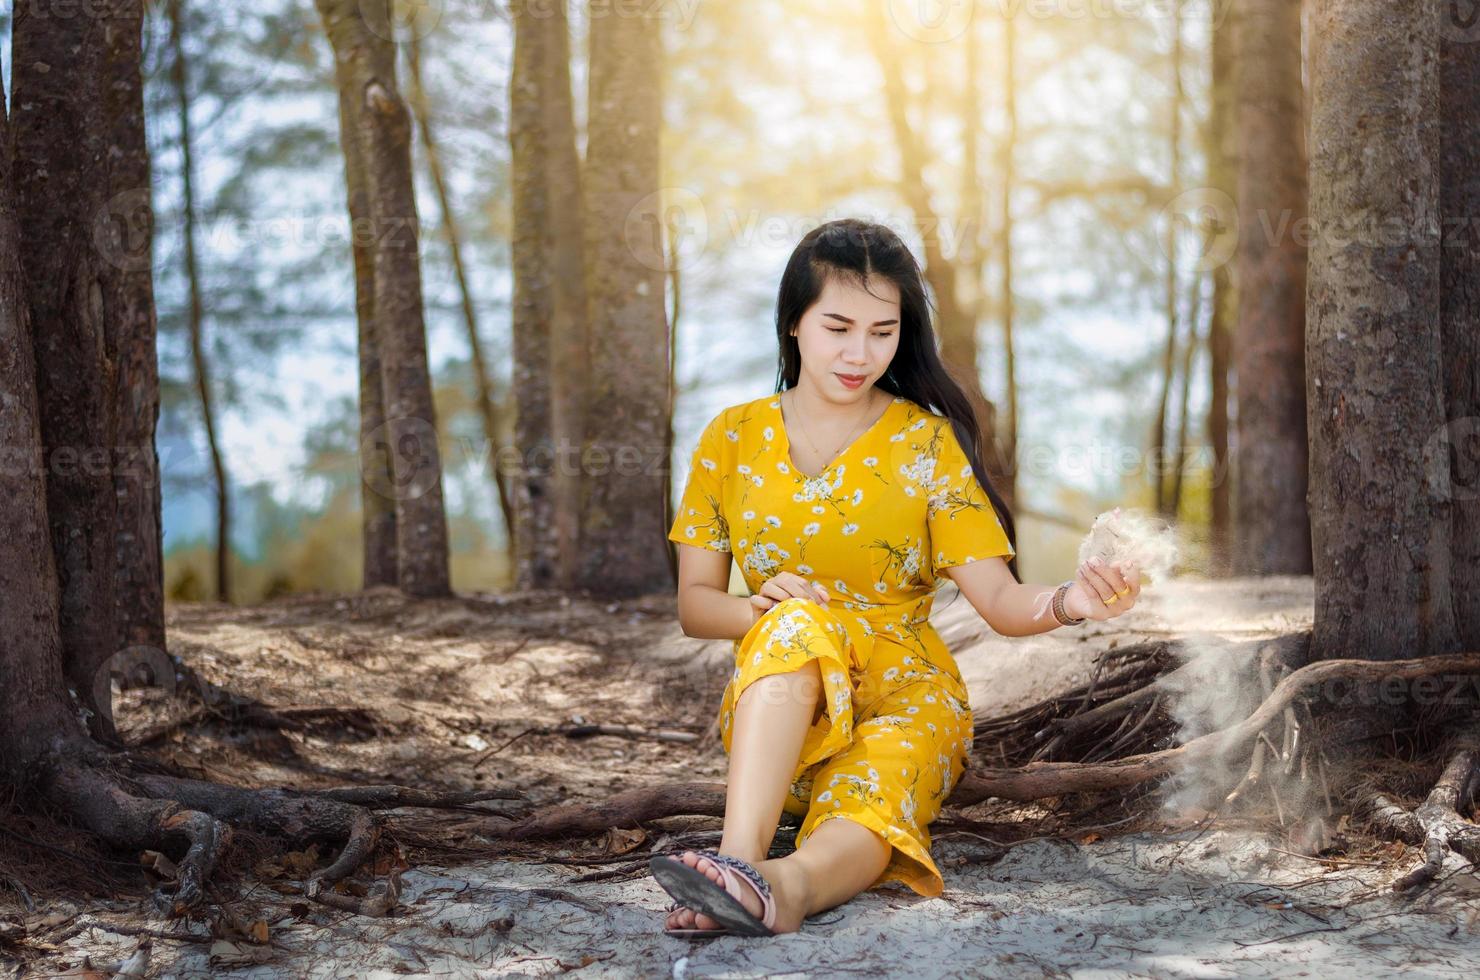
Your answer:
<point x="1059" y="612"/>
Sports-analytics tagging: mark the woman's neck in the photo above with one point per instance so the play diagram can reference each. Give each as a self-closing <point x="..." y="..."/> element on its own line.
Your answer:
<point x="822" y="413"/>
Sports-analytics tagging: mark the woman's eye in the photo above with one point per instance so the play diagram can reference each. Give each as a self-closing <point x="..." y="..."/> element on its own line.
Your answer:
<point x="881" y="336"/>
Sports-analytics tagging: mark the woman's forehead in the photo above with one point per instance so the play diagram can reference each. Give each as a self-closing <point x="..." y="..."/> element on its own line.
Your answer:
<point x="848" y="297"/>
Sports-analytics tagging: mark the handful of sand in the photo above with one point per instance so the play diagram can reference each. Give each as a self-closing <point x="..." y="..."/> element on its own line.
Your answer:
<point x="1122" y="535"/>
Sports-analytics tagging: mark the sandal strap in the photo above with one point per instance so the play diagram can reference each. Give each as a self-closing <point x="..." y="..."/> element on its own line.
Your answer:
<point x="731" y="866"/>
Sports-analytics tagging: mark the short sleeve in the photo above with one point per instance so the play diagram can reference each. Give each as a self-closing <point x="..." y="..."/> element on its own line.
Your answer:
<point x="962" y="522"/>
<point x="700" y="518"/>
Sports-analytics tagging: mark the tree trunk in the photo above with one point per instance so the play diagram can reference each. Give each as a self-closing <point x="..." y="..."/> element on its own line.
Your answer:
<point x="551" y="350"/>
<point x="487" y="413"/>
<point x="675" y="311"/>
<point x="1221" y="154"/>
<point x="1380" y="532"/>
<point x="1004" y="250"/>
<point x="1184" y="395"/>
<point x="626" y="427"/>
<point x="33" y="705"/>
<point x="1459" y="279"/>
<point x="1157" y="454"/>
<point x="200" y="364"/>
<point x="536" y="545"/>
<point x="360" y="32"/>
<point x="58" y="142"/>
<point x="955" y="324"/>
<point x="1273" y="526"/>
<point x="570" y="342"/>
<point x="129" y="304"/>
<point x="377" y="507"/>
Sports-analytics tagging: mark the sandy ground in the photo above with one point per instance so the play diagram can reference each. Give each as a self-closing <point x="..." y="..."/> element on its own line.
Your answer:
<point x="458" y="694"/>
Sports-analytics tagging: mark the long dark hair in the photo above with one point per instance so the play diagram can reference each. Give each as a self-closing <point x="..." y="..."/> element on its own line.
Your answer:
<point x="857" y="250"/>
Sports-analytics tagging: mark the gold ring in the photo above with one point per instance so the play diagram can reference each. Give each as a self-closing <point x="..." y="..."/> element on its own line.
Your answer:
<point x="1126" y="592"/>
<point x="1111" y="602"/>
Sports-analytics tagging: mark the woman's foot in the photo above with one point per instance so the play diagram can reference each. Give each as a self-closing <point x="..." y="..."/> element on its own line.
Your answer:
<point x="789" y="889"/>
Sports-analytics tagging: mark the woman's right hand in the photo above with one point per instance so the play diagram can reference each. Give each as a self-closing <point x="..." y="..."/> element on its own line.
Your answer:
<point x="781" y="586"/>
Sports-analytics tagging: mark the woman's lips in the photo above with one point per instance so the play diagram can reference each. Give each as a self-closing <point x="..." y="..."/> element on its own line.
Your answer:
<point x="852" y="382"/>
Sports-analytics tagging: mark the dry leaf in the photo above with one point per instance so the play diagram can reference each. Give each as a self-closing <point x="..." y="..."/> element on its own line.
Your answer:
<point x="300" y="864"/>
<point x="621" y="841"/>
<point x="259" y="932"/>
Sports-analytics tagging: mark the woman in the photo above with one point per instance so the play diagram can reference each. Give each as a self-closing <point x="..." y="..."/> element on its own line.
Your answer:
<point x="843" y="498"/>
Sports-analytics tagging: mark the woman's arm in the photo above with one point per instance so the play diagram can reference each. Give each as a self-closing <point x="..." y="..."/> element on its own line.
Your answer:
<point x="1019" y="609"/>
<point x="706" y="610"/>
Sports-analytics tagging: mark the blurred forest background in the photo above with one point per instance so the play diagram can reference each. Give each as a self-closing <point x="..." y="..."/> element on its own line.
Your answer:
<point x="1061" y="164"/>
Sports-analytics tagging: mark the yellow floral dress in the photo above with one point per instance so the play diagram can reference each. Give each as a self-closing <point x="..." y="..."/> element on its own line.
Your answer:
<point x="874" y="529"/>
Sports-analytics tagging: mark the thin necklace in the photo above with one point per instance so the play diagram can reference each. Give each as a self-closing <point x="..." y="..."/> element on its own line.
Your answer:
<point x="845" y="443"/>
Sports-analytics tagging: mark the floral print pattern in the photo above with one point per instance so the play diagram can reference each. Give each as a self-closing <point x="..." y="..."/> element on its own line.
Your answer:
<point x="875" y="528"/>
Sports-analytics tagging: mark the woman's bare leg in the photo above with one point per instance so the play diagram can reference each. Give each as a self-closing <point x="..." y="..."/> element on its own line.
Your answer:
<point x="770" y="723"/>
<point x="834" y="864"/>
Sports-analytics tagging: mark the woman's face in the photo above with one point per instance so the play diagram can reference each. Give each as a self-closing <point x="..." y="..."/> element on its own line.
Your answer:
<point x="849" y="331"/>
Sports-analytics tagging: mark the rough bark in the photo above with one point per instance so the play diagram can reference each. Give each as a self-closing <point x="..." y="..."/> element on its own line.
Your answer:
<point x="626" y="427"/>
<point x="195" y="316"/>
<point x="551" y="345"/>
<point x="377" y="508"/>
<point x="126" y="236"/>
<point x="570" y="342"/>
<point x="1459" y="279"/>
<point x="535" y="548"/>
<point x="1221" y="153"/>
<point x="1380" y="531"/>
<point x="58" y="147"/>
<point x="482" y="383"/>
<point x="360" y="33"/>
<point x="33" y="706"/>
<point x="1271" y="521"/>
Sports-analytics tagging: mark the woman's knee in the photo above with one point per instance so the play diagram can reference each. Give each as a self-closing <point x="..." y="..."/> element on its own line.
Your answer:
<point x="800" y="686"/>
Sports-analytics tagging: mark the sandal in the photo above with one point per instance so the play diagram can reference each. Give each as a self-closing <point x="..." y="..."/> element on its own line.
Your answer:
<point x="693" y="889"/>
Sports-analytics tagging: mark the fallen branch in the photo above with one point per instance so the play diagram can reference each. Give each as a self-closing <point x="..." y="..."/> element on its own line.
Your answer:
<point x="1043" y="779"/>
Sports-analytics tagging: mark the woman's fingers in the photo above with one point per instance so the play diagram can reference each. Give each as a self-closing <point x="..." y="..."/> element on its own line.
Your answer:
<point x="789" y="585"/>
<point x="1132" y="575"/>
<point x="1110" y="572"/>
<point x="1096" y="581"/>
<point x="1092" y="597"/>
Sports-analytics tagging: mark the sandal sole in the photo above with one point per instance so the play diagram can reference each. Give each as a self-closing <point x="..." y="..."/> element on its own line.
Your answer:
<point x="693" y="888"/>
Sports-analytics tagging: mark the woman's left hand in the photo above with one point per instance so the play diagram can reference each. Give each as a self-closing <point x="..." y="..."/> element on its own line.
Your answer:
<point x="1103" y="590"/>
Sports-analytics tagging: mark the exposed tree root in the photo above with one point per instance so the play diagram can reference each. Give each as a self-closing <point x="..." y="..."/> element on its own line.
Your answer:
<point x="628" y="809"/>
<point x="1120" y="710"/>
<point x="220" y="704"/>
<point x="1037" y="780"/>
<point x="145" y="811"/>
<point x="1438" y="825"/>
<point x="1043" y="779"/>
